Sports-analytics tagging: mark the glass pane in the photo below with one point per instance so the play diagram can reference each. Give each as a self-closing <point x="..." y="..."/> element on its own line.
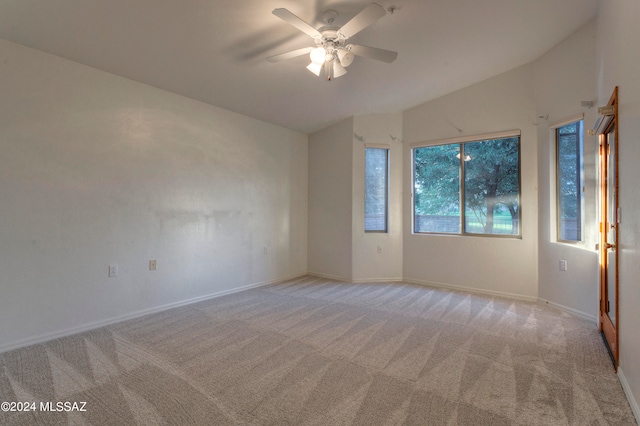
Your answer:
<point x="492" y="186"/>
<point x="437" y="189"/>
<point x="611" y="233"/>
<point x="569" y="190"/>
<point x="375" y="182"/>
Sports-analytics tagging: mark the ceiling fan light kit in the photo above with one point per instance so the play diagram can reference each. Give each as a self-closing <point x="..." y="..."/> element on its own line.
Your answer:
<point x="346" y="57"/>
<point x="338" y="69"/>
<point x="332" y="54"/>
<point x="318" y="55"/>
<point x="315" y="68"/>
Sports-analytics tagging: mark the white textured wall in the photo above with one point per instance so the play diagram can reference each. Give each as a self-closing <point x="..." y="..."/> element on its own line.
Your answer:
<point x="507" y="266"/>
<point x="338" y="245"/>
<point x="618" y="64"/>
<point x="564" y="77"/>
<point x="330" y="201"/>
<point x="98" y="170"/>
<point x="368" y="263"/>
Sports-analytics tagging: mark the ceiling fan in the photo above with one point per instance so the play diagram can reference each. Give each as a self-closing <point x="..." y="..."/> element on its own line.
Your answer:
<point x="332" y="53"/>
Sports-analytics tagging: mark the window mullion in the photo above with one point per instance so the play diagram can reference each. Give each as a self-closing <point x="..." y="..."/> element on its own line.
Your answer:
<point x="462" y="210"/>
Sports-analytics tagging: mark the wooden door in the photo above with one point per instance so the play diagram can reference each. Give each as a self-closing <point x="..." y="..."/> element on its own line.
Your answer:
<point x="609" y="232"/>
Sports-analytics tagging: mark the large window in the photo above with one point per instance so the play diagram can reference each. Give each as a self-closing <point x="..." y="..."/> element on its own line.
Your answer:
<point x="468" y="188"/>
<point x="569" y="144"/>
<point x="376" y="185"/>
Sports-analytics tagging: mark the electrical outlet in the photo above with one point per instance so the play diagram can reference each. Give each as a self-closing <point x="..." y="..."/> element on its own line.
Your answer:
<point x="265" y="250"/>
<point x="113" y="271"/>
<point x="563" y="265"/>
<point x="152" y="265"/>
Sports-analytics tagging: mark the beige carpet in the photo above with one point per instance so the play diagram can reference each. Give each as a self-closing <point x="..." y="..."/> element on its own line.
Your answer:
<point x="316" y="352"/>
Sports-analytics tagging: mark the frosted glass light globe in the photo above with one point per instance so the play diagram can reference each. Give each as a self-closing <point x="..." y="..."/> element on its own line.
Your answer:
<point x="318" y="55"/>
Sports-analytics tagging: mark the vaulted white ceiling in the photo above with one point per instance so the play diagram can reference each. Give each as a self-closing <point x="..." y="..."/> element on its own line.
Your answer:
<point x="214" y="50"/>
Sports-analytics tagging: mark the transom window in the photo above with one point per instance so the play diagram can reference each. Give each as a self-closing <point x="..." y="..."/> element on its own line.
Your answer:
<point x="470" y="187"/>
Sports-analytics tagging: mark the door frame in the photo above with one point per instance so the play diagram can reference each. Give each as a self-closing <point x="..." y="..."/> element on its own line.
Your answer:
<point x="609" y="329"/>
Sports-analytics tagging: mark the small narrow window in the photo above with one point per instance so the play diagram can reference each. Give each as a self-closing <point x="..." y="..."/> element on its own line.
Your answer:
<point x="569" y="163"/>
<point x="376" y="185"/>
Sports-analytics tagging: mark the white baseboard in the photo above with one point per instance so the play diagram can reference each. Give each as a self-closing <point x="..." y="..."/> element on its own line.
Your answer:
<point x="378" y="280"/>
<point x="329" y="276"/>
<point x="427" y="284"/>
<point x="633" y="402"/>
<point x="357" y="280"/>
<point x="567" y="309"/>
<point x="571" y="311"/>
<point x="471" y="289"/>
<point x="45" y="337"/>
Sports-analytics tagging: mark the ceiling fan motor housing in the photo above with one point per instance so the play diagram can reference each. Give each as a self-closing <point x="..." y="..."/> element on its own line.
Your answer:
<point x="329" y="16"/>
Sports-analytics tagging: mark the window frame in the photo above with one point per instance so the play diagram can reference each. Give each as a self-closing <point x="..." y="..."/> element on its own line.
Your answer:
<point x="461" y="141"/>
<point x="387" y="149"/>
<point x="556" y="185"/>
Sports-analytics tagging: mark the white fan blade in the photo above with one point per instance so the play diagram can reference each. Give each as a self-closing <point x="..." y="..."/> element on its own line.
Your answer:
<point x="374" y="53"/>
<point x="296" y="22"/>
<point x="289" y="55"/>
<point x="368" y="16"/>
